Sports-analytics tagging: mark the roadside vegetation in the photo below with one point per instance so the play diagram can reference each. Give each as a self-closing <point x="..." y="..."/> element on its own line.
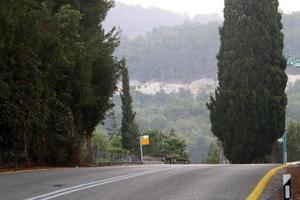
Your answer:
<point x="247" y="111"/>
<point x="58" y="74"/>
<point x="293" y="140"/>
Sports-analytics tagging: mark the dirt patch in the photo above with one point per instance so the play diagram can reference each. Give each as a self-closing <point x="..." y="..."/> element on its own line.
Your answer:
<point x="295" y="172"/>
<point x="274" y="190"/>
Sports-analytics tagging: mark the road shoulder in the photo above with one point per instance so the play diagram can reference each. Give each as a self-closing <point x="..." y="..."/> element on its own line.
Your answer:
<point x="263" y="183"/>
<point x="274" y="191"/>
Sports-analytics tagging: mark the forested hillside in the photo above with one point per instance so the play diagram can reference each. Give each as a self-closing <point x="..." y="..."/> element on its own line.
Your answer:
<point x="291" y="26"/>
<point x="181" y="53"/>
<point x="293" y="109"/>
<point x="183" y="112"/>
<point x="187" y="52"/>
<point x="136" y="20"/>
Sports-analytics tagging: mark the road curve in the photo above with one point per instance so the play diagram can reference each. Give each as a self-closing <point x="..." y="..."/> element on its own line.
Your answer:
<point x="155" y="182"/>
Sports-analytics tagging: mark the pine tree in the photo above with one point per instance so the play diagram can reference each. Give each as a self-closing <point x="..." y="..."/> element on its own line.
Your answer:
<point x="248" y="110"/>
<point x="129" y="129"/>
<point x="113" y="129"/>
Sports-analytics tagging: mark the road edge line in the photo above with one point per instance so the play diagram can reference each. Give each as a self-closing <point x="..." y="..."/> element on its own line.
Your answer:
<point x="24" y="171"/>
<point x="262" y="184"/>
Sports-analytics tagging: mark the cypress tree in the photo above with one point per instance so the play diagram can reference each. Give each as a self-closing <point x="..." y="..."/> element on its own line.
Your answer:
<point x="128" y="127"/>
<point x="248" y="110"/>
<point x="97" y="70"/>
<point x="58" y="75"/>
<point x="113" y="130"/>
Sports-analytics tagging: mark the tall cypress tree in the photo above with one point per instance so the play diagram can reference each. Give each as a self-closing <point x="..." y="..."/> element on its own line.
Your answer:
<point x="248" y="110"/>
<point x="58" y="75"/>
<point x="128" y="127"/>
<point x="97" y="70"/>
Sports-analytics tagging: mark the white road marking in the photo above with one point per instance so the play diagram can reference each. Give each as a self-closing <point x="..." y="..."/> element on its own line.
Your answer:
<point x="76" y="188"/>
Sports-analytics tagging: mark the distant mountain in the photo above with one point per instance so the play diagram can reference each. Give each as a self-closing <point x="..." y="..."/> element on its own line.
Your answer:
<point x="206" y="18"/>
<point x="137" y="20"/>
<point x="182" y="53"/>
<point x="291" y="25"/>
<point x="187" y="52"/>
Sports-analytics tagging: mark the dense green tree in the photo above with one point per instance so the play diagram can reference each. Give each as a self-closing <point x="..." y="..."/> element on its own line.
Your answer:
<point x="113" y="128"/>
<point x="129" y="129"/>
<point x="58" y="75"/>
<point x="175" y="147"/>
<point x="248" y="110"/>
<point x="293" y="141"/>
<point x="213" y="154"/>
<point x="100" y="140"/>
<point x="169" y="145"/>
<point x="33" y="64"/>
<point x="96" y="71"/>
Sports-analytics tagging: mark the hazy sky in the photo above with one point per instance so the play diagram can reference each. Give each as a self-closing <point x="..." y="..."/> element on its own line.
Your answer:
<point x="193" y="7"/>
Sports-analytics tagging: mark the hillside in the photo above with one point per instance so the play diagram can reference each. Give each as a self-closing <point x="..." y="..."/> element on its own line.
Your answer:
<point x="183" y="53"/>
<point x="173" y="71"/>
<point x="137" y="20"/>
<point x="187" y="52"/>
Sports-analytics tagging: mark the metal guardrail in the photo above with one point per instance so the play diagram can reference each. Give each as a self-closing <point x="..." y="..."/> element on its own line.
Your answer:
<point x="100" y="156"/>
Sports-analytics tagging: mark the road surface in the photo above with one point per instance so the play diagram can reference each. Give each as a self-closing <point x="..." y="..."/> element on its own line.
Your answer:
<point x="155" y="182"/>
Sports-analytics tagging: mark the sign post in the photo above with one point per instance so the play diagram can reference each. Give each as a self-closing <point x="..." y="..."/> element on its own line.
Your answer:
<point x="283" y="141"/>
<point x="287" y="189"/>
<point x="144" y="140"/>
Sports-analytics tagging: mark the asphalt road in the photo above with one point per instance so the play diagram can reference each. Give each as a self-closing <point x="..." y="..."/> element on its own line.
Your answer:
<point x="156" y="182"/>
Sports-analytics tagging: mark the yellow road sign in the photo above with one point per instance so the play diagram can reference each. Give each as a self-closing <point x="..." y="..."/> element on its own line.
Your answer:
<point x="144" y="140"/>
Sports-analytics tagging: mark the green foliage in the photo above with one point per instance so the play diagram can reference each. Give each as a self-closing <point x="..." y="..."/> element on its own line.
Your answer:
<point x="180" y="53"/>
<point x="169" y="145"/>
<point x="156" y="142"/>
<point x="153" y="113"/>
<point x="175" y="147"/>
<point x="116" y="142"/>
<point x="113" y="129"/>
<point x="100" y="140"/>
<point x="129" y="129"/>
<point x="184" y="52"/>
<point x="57" y="71"/>
<point x="293" y="108"/>
<point x="115" y="150"/>
<point x="248" y="110"/>
<point x="293" y="141"/>
<point x="213" y="154"/>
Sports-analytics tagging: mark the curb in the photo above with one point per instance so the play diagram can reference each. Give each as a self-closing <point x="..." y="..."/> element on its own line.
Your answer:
<point x="262" y="184"/>
<point x="23" y="171"/>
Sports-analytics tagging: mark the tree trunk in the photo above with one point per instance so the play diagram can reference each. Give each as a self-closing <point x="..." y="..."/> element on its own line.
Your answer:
<point x="89" y="148"/>
<point x="25" y="148"/>
<point x="274" y="153"/>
